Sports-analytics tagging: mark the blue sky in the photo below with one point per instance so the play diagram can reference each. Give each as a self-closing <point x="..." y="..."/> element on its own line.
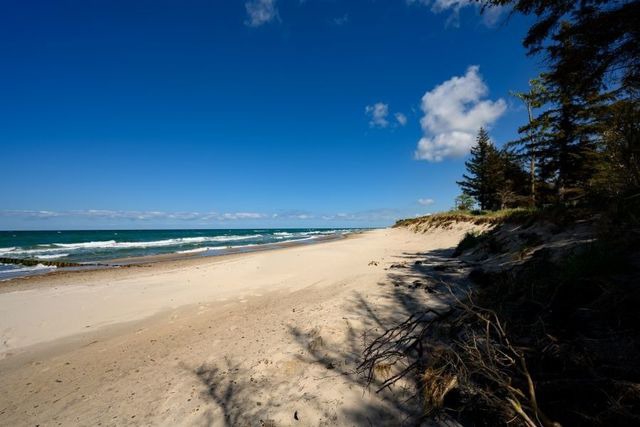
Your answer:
<point x="146" y="114"/>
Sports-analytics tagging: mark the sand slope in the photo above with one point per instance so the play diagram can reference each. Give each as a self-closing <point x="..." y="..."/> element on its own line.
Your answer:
<point x="256" y="339"/>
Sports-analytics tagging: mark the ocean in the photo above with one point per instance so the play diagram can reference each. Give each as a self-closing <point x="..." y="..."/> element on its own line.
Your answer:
<point x="100" y="246"/>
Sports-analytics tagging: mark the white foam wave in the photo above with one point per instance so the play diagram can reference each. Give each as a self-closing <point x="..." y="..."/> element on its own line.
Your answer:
<point x="99" y="244"/>
<point x="31" y="268"/>
<point x="193" y="251"/>
<point x="4" y="251"/>
<point x="322" y="232"/>
<point x="10" y="271"/>
<point x="53" y="256"/>
<point x="112" y="244"/>
<point x="61" y="249"/>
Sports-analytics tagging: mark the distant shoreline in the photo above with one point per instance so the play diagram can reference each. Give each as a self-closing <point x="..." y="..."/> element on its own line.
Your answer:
<point x="171" y="260"/>
<point x="27" y="257"/>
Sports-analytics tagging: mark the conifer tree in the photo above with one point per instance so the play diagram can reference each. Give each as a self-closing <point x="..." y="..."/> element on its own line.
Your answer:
<point x="514" y="182"/>
<point x="592" y="48"/>
<point x="532" y="100"/>
<point x="564" y="139"/>
<point x="484" y="173"/>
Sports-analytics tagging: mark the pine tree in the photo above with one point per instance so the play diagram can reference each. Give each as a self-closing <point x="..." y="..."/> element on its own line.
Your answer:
<point x="532" y="100"/>
<point x="563" y="139"/>
<point x="484" y="173"/>
<point x="592" y="49"/>
<point x="604" y="40"/>
<point x="514" y="185"/>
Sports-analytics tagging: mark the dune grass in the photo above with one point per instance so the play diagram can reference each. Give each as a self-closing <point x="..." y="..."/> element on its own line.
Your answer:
<point x="474" y="217"/>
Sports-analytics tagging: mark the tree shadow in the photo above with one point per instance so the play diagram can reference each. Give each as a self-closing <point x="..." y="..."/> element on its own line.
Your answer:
<point x="416" y="283"/>
<point x="236" y="394"/>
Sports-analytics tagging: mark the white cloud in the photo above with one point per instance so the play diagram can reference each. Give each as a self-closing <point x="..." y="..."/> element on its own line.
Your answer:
<point x="372" y="215"/>
<point x="341" y="20"/>
<point x="294" y="214"/>
<point x="144" y="218"/>
<point x="426" y="202"/>
<point x="453" y="113"/>
<point x="401" y="118"/>
<point x="30" y="213"/>
<point x="134" y="215"/>
<point x="260" y="12"/>
<point x="242" y="215"/>
<point x="490" y="15"/>
<point x="379" y="113"/>
<point x="379" y="116"/>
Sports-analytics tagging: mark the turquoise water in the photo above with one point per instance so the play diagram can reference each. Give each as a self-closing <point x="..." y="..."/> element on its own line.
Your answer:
<point x="102" y="245"/>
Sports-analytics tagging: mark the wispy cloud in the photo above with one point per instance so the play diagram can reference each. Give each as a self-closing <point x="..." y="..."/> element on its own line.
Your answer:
<point x="401" y="119"/>
<point x="260" y="12"/>
<point x="490" y="15"/>
<point x="453" y="113"/>
<point x="285" y="216"/>
<point x="341" y="20"/>
<point x="133" y="215"/>
<point x="30" y="213"/>
<point x="379" y="116"/>
<point x="371" y="215"/>
<point x="294" y="214"/>
<point x="426" y="202"/>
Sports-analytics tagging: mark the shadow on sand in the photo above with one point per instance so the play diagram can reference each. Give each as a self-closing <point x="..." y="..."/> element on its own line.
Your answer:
<point x="414" y="283"/>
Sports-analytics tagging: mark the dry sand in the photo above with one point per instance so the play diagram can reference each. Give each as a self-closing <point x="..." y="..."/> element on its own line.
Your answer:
<point x="266" y="338"/>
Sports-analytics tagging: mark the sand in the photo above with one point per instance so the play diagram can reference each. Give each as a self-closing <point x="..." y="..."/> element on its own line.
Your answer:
<point x="265" y="338"/>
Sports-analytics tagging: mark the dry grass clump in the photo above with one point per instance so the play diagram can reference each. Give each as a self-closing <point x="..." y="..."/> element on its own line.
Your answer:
<point x="447" y="219"/>
<point x="526" y="216"/>
<point x="463" y="363"/>
<point x="382" y="371"/>
<point x="437" y="383"/>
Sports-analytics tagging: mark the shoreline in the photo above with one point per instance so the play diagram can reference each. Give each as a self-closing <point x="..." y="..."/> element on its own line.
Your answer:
<point x="85" y="279"/>
<point x="175" y="257"/>
<point x="264" y="334"/>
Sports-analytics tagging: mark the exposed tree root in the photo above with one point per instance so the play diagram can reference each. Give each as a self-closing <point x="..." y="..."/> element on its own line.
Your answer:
<point x="462" y="361"/>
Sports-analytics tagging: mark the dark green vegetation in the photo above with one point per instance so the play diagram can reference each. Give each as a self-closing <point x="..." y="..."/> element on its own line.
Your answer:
<point x="549" y="332"/>
<point x="581" y="144"/>
<point x="494" y="179"/>
<point x="556" y="214"/>
<point x="574" y="322"/>
<point x="470" y="240"/>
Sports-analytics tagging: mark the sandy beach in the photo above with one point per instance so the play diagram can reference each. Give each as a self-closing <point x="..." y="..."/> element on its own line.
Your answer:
<point x="265" y="338"/>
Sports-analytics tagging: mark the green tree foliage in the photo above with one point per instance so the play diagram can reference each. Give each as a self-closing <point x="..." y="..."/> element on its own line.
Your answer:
<point x="484" y="177"/>
<point x="582" y="145"/>
<point x="532" y="100"/>
<point x="512" y="181"/>
<point x="464" y="202"/>
<point x="603" y="37"/>
<point x="563" y="139"/>
<point x="617" y="172"/>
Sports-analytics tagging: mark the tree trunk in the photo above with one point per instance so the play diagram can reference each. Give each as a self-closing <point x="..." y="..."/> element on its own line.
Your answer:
<point x="533" y="160"/>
